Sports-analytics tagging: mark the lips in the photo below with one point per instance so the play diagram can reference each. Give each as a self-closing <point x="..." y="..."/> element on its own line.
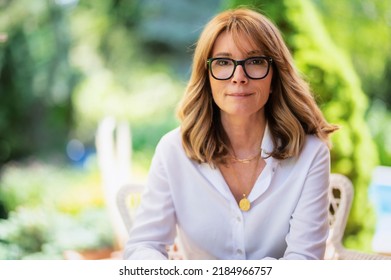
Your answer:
<point x="239" y="94"/>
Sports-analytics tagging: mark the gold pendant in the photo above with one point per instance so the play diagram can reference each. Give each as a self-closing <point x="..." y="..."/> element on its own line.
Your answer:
<point x="244" y="204"/>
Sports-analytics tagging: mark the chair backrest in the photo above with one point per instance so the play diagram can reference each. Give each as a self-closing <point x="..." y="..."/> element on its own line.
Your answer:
<point x="113" y="142"/>
<point x="340" y="199"/>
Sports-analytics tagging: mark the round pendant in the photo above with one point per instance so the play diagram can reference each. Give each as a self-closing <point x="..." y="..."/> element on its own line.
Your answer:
<point x="244" y="204"/>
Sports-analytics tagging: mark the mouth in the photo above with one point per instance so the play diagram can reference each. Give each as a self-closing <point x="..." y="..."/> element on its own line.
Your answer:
<point x="239" y="94"/>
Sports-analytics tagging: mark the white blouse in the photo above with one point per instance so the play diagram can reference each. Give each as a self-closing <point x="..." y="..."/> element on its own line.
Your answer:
<point x="287" y="219"/>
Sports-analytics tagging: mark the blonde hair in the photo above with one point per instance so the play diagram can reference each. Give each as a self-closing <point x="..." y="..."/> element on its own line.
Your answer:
<point x="291" y="110"/>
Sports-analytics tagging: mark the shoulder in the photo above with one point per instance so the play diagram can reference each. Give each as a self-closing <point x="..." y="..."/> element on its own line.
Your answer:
<point x="169" y="151"/>
<point x="170" y="143"/>
<point x="171" y="138"/>
<point x="312" y="139"/>
<point x="313" y="142"/>
<point x="314" y="148"/>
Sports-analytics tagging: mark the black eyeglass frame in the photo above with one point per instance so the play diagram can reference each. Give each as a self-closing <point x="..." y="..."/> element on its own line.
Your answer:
<point x="242" y="63"/>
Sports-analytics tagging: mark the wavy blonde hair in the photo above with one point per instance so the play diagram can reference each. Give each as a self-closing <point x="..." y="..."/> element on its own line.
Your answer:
<point x="291" y="110"/>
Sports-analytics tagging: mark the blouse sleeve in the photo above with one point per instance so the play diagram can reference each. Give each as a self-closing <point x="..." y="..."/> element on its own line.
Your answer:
<point x="309" y="222"/>
<point x="155" y="224"/>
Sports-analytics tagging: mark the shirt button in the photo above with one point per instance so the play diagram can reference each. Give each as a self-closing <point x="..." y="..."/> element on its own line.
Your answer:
<point x="238" y="219"/>
<point x="239" y="252"/>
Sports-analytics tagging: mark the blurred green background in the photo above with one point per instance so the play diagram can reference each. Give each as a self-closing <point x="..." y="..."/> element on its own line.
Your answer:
<point x="65" y="65"/>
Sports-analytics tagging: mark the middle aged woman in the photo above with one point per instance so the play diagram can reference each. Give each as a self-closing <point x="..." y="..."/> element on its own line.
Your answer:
<point x="246" y="174"/>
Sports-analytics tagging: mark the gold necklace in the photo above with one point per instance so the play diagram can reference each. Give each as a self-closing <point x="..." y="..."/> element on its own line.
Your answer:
<point x="244" y="203"/>
<point x="245" y="160"/>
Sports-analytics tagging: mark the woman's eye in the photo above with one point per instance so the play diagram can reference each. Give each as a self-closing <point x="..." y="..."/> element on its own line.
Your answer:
<point x="257" y="61"/>
<point x="224" y="62"/>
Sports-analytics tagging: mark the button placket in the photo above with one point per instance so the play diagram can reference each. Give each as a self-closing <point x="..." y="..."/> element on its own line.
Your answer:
<point x="238" y="231"/>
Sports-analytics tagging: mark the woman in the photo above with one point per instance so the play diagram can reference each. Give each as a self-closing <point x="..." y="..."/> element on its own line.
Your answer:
<point x="246" y="175"/>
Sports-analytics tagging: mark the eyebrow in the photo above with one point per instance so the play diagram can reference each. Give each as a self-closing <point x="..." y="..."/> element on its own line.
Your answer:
<point x="226" y="54"/>
<point x="222" y="54"/>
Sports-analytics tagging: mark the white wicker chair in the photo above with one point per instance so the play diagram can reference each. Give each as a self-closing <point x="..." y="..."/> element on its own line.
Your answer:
<point x="341" y="197"/>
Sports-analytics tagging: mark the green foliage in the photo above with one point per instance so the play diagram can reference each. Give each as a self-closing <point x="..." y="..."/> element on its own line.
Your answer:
<point x="369" y="41"/>
<point x="35" y="79"/>
<point x="338" y="91"/>
<point x="16" y="191"/>
<point x="368" y="24"/>
<point x="54" y="210"/>
<point x="33" y="184"/>
<point x="40" y="233"/>
<point x="379" y="120"/>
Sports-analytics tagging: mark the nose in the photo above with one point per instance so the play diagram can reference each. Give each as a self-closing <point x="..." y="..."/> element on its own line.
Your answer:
<point x="239" y="75"/>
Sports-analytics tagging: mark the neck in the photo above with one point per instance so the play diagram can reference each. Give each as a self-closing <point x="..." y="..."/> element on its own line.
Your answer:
<point x="245" y="134"/>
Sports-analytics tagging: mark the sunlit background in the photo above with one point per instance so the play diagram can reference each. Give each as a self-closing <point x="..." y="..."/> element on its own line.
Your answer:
<point x="87" y="88"/>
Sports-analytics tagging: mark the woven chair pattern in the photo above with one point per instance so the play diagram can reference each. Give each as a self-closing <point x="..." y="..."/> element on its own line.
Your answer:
<point x="340" y="201"/>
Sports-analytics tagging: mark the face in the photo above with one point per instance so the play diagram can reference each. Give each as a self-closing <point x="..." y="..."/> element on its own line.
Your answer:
<point x="240" y="95"/>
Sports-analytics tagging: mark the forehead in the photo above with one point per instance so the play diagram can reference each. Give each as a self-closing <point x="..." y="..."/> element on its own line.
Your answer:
<point x="231" y="44"/>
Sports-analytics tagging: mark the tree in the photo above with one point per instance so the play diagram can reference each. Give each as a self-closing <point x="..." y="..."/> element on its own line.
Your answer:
<point x="368" y="44"/>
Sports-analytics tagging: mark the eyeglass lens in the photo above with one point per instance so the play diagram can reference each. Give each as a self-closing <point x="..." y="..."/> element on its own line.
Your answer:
<point x="254" y="67"/>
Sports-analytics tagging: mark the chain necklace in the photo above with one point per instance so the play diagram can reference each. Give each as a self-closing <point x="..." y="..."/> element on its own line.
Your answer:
<point x="244" y="203"/>
<point x="245" y="160"/>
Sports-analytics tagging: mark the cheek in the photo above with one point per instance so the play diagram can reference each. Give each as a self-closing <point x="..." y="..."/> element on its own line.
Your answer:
<point x="264" y="86"/>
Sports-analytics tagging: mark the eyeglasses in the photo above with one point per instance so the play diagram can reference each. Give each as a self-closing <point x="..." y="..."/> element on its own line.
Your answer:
<point x="256" y="68"/>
